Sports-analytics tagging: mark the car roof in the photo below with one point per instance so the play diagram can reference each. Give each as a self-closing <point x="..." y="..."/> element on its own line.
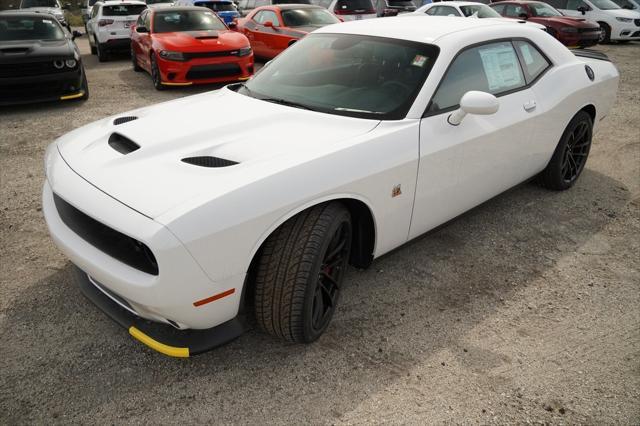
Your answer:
<point x="181" y="9"/>
<point x="413" y="27"/>
<point x="296" y="6"/>
<point x="457" y="3"/>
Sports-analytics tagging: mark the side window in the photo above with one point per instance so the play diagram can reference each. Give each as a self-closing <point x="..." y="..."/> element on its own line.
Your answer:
<point x="139" y="22"/>
<point x="492" y="68"/>
<point x="446" y="11"/>
<point x="558" y="4"/>
<point x="498" y="8"/>
<point x="533" y="62"/>
<point x="258" y="17"/>
<point x="576" y="4"/>
<point x="432" y="10"/>
<point x="514" y="10"/>
<point x="267" y="15"/>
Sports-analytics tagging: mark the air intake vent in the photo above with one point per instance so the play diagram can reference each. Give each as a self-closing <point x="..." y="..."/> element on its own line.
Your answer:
<point x="206" y="161"/>
<point x="122" y="120"/>
<point x="121" y="144"/>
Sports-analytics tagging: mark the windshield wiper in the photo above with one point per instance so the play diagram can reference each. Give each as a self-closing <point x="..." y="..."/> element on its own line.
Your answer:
<point x="286" y="103"/>
<point x="364" y="111"/>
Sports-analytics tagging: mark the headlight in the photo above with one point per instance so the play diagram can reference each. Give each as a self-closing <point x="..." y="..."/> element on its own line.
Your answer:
<point x="244" y="51"/>
<point x="569" y="30"/>
<point x="70" y="63"/>
<point x="171" y="56"/>
<point x="624" y="19"/>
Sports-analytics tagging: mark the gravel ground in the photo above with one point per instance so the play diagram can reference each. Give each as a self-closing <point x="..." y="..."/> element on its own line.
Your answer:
<point x="524" y="310"/>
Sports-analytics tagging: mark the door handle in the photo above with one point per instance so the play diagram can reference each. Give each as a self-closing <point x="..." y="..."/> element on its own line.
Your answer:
<point x="529" y="105"/>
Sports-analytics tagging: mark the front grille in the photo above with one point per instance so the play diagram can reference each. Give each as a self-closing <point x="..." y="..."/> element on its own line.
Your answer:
<point x="213" y="71"/>
<point x="221" y="54"/>
<point x="117" y="245"/>
<point x="28" y="69"/>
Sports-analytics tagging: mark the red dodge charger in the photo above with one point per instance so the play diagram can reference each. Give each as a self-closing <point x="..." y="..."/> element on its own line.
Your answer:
<point x="180" y="46"/>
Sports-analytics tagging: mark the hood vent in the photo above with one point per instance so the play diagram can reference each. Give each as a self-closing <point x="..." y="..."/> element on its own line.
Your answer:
<point x="122" y="120"/>
<point x="122" y="144"/>
<point x="206" y="161"/>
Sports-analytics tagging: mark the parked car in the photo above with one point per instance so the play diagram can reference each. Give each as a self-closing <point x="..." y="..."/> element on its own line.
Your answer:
<point x="617" y="24"/>
<point x="246" y="6"/>
<point x="350" y="10"/>
<point x="86" y="11"/>
<point x="109" y="28"/>
<point x="186" y="45"/>
<point x="628" y="4"/>
<point x="358" y="138"/>
<point x="570" y="31"/>
<point x="271" y="29"/>
<point x="39" y="60"/>
<point x="393" y="7"/>
<point x="225" y="9"/>
<point x="52" y="7"/>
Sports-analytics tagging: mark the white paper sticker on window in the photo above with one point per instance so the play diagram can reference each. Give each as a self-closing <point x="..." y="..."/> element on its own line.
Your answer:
<point x="501" y="67"/>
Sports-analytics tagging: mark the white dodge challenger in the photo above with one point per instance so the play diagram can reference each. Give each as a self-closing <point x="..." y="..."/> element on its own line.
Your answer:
<point x="360" y="137"/>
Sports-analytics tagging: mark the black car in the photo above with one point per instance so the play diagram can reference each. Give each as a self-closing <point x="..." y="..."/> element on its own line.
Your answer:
<point x="39" y="60"/>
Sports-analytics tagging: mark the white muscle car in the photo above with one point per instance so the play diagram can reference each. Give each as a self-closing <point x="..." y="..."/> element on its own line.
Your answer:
<point x="358" y="138"/>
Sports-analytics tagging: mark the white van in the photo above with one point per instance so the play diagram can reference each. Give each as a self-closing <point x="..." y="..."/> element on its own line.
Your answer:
<point x="617" y="24"/>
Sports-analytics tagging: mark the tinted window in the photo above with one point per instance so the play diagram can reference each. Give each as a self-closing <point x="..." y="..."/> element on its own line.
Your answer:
<point x="346" y="74"/>
<point x="307" y="17"/>
<point x="446" y="11"/>
<point x="189" y="20"/>
<point x="401" y="3"/>
<point x="267" y="15"/>
<point x="217" y="6"/>
<point x="354" y="6"/>
<point x="492" y="68"/>
<point x="514" y="10"/>
<point x="575" y="4"/>
<point x="123" y="9"/>
<point x="533" y="62"/>
<point x="480" y="10"/>
<point x="605" y="4"/>
<point x="39" y="3"/>
<point x="558" y="4"/>
<point x="498" y="8"/>
<point x="543" y="10"/>
<point x="29" y="28"/>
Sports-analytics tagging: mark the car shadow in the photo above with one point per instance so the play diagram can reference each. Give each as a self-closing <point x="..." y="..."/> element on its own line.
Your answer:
<point x="391" y="317"/>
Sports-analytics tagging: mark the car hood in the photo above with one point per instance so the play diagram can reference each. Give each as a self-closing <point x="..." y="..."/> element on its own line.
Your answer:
<point x="34" y="50"/>
<point x="570" y="21"/>
<point x="260" y="136"/>
<point x="202" y="40"/>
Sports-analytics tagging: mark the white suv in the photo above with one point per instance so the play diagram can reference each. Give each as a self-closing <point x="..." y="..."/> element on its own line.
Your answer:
<point x="109" y="27"/>
<point x="617" y="23"/>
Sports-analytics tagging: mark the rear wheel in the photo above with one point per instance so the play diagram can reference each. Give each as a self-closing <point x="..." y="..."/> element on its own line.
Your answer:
<point x="155" y="74"/>
<point x="300" y="273"/>
<point x="605" y="33"/>
<point x="102" y="54"/>
<point x="94" y="50"/>
<point x="570" y="156"/>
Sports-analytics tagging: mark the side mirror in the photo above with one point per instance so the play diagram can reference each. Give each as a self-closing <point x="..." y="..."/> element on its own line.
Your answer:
<point x="523" y="16"/>
<point x="232" y="24"/>
<point x="582" y="9"/>
<point x="142" y="30"/>
<point x="75" y="34"/>
<point x="268" y="24"/>
<point x="474" y="102"/>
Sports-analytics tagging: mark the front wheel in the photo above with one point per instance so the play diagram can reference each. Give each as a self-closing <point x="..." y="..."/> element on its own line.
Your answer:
<point x="605" y="33"/>
<point x="155" y="74"/>
<point x="300" y="273"/>
<point x="570" y="156"/>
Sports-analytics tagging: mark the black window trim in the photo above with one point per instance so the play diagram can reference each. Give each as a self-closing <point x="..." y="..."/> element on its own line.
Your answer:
<point x="497" y="95"/>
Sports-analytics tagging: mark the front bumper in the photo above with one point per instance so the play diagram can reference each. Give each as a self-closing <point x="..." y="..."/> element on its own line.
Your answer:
<point x="159" y="337"/>
<point x="42" y="88"/>
<point x="586" y="40"/>
<point x="205" y="70"/>
<point x="172" y="296"/>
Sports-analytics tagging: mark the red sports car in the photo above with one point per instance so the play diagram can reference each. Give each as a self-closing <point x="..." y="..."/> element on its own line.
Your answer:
<point x="180" y="46"/>
<point x="572" y="32"/>
<point x="271" y="29"/>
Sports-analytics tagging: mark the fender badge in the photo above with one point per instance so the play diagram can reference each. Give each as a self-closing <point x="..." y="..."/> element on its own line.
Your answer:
<point x="396" y="191"/>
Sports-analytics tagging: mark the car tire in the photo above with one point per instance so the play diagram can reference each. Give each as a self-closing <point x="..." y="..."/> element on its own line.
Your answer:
<point x="134" y="61"/>
<point x="94" y="50"/>
<point x="570" y="156"/>
<point x="85" y="88"/>
<point x="300" y="272"/>
<point x="605" y="35"/>
<point x="155" y="74"/>
<point x="102" y="54"/>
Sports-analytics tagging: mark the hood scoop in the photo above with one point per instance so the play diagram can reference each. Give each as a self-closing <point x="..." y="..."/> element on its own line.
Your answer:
<point x="206" y="36"/>
<point x="122" y="120"/>
<point x="208" y="161"/>
<point x="122" y="144"/>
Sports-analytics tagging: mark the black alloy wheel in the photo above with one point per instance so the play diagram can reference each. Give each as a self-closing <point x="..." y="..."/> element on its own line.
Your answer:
<point x="155" y="74"/>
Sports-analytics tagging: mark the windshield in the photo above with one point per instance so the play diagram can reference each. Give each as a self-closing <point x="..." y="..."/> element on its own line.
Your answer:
<point x="308" y="17"/>
<point x="362" y="6"/>
<point x="186" y="20"/>
<point x="123" y="10"/>
<point x="346" y="74"/>
<point x="625" y="4"/>
<point x="605" y="4"/>
<point x="13" y="28"/>
<point x="217" y="6"/>
<point x="38" y="3"/>
<point x="158" y="1"/>
<point x="401" y="3"/>
<point x="543" y="10"/>
<point x="291" y="2"/>
<point x="481" y="10"/>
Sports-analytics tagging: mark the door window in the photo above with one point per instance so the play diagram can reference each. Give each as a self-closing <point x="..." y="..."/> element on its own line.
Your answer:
<point x="533" y="62"/>
<point x="514" y="11"/>
<point x="499" y="8"/>
<point x="267" y="15"/>
<point x="446" y="11"/>
<point x="492" y="68"/>
<point x="576" y="4"/>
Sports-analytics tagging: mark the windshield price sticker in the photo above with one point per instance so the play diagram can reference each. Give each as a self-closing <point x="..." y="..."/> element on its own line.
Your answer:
<point x="501" y="67"/>
<point x="419" y="61"/>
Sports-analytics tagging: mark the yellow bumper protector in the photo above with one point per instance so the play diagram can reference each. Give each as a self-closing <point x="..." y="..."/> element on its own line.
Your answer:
<point x="157" y="346"/>
<point x="177" y="84"/>
<point x="76" y="96"/>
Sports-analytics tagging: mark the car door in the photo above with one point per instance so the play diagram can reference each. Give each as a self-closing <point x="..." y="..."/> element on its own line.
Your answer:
<point x="462" y="166"/>
<point x="252" y="31"/>
<point x="91" y="24"/>
<point x="144" y="40"/>
<point x="266" y="38"/>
